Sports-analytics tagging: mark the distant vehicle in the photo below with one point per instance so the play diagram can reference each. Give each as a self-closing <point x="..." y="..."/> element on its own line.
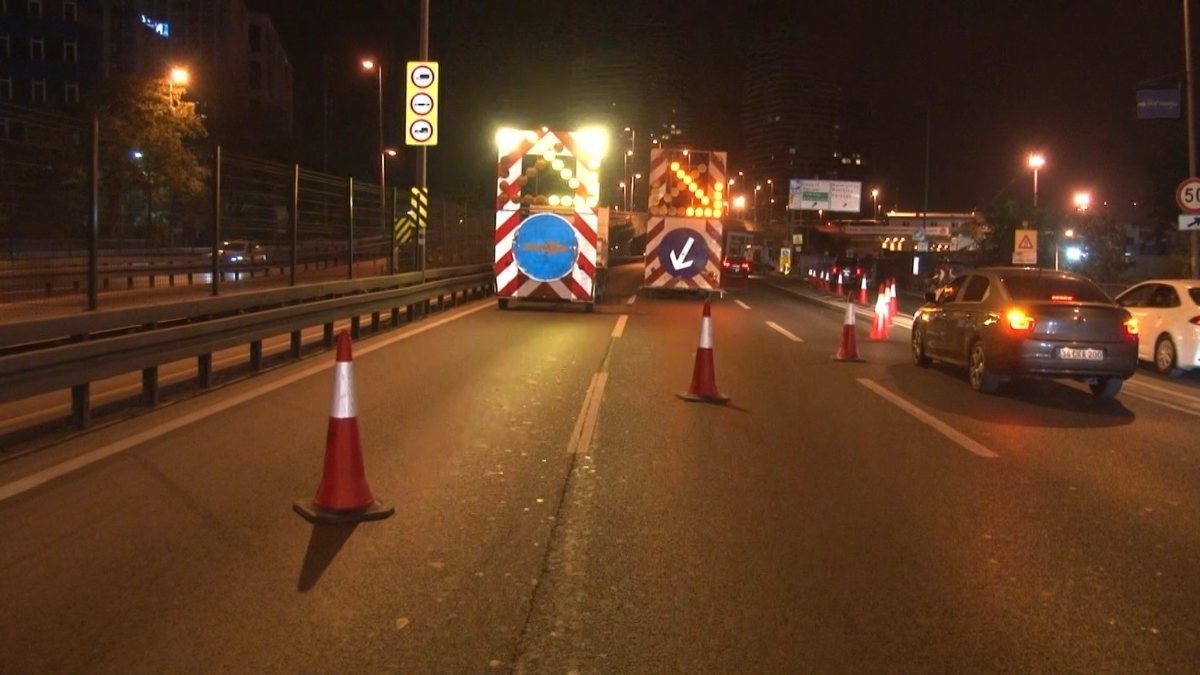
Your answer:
<point x="241" y="251"/>
<point x="735" y="266"/>
<point x="1006" y="322"/>
<point x="1168" y="312"/>
<point x="852" y="271"/>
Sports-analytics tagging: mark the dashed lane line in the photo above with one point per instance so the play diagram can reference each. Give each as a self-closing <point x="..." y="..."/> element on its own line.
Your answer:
<point x="784" y="332"/>
<point x="742" y="304"/>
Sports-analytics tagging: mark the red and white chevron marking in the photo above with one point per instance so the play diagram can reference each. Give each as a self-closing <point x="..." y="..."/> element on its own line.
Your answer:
<point x="658" y="276"/>
<point x="514" y="172"/>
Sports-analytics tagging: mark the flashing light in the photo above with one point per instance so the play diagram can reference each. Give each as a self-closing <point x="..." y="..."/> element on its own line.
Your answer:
<point x="675" y="166"/>
<point x="508" y="139"/>
<point x="1019" y="320"/>
<point x="716" y="213"/>
<point x="553" y="200"/>
<point x="565" y="173"/>
<point x="704" y="201"/>
<point x="593" y="142"/>
<point x="574" y="183"/>
<point x="719" y="186"/>
<point x="693" y="187"/>
<point x="708" y="213"/>
<point x="549" y="156"/>
<point x="691" y="211"/>
<point x="556" y="164"/>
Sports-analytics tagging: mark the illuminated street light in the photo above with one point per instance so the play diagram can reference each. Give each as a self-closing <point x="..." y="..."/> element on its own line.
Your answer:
<point x="177" y="76"/>
<point x="875" y="202"/>
<point x="1082" y="201"/>
<point x="369" y="65"/>
<point x="1036" y="161"/>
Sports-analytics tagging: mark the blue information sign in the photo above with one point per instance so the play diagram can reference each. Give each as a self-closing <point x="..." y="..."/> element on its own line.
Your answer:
<point x="683" y="253"/>
<point x="545" y="247"/>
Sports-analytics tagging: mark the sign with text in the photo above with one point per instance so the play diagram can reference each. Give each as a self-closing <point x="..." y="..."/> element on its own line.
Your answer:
<point x="824" y="195"/>
<point x="1158" y="104"/>
<point x="1025" y="247"/>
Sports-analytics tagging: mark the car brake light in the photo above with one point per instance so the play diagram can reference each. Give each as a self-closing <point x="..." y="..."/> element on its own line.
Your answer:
<point x="1131" y="326"/>
<point x="1018" y="320"/>
<point x="835" y="269"/>
<point x="1062" y="298"/>
<point x="1195" y="320"/>
<point x="725" y="264"/>
<point x="858" y="271"/>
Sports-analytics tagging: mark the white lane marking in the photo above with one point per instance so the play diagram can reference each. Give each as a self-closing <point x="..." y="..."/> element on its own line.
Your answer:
<point x="742" y="304"/>
<point x="46" y="475"/>
<point x="784" y="332"/>
<point x="585" y="424"/>
<point x="632" y="299"/>
<point x="619" y="329"/>
<point x="1165" y="404"/>
<point x="938" y="425"/>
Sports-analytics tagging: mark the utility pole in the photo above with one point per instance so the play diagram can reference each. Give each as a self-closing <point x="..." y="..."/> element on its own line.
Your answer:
<point x="1191" y="127"/>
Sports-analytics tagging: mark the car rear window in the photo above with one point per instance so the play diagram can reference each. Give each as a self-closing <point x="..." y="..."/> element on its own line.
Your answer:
<point x="1051" y="288"/>
<point x="235" y="246"/>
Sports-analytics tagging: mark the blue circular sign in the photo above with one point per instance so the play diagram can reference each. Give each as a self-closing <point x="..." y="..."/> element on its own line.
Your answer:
<point x="545" y="247"/>
<point x="683" y="253"/>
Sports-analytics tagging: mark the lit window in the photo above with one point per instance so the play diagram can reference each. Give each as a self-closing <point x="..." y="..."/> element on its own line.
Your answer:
<point x="39" y="91"/>
<point x="71" y="93"/>
<point x="70" y="10"/>
<point x="37" y="49"/>
<point x="70" y="51"/>
<point x="6" y="93"/>
<point x="35" y="8"/>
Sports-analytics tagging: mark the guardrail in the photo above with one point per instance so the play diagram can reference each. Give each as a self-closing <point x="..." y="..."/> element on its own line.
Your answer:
<point x="37" y="357"/>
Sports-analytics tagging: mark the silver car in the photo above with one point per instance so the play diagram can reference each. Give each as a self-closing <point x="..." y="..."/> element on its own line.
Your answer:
<point x="1006" y="322"/>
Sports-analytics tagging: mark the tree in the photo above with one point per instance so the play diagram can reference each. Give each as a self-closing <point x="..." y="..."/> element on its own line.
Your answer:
<point x="148" y="155"/>
<point x="1104" y="242"/>
<point x="995" y="234"/>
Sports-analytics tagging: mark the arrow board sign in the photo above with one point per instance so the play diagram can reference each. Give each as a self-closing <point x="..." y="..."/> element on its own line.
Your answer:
<point x="683" y="253"/>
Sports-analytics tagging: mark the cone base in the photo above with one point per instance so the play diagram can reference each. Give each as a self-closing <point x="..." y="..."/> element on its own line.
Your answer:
<point x="319" y="516"/>
<point x="696" y="398"/>
<point x="851" y="359"/>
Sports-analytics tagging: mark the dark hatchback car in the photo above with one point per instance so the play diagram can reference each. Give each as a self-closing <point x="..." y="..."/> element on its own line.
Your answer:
<point x="1005" y="322"/>
<point x="734" y="266"/>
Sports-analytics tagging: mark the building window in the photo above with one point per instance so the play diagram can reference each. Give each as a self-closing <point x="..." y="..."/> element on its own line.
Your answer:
<point x="35" y="8"/>
<point x="39" y="91"/>
<point x="70" y="51"/>
<point x="70" y="10"/>
<point x="6" y="89"/>
<point x="37" y="49"/>
<point x="71" y="93"/>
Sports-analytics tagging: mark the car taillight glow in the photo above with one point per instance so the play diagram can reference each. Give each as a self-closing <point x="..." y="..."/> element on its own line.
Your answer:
<point x="1131" y="326"/>
<point x="1195" y="320"/>
<point x="1058" y="297"/>
<point x="1018" y="320"/>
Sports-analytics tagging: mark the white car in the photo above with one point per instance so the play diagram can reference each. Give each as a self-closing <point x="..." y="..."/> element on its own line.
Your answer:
<point x="1168" y="314"/>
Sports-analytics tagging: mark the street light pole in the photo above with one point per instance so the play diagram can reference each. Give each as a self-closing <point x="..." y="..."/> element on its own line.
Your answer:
<point x="422" y="150"/>
<point x="1191" y="126"/>
<point x="371" y="64"/>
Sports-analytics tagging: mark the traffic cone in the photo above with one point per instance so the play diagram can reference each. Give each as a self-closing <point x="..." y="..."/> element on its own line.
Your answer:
<point x="879" y="327"/>
<point x="848" y="350"/>
<point x="704" y="374"/>
<point x="862" y="292"/>
<point x="894" y="308"/>
<point x="343" y="495"/>
<point x="839" y="286"/>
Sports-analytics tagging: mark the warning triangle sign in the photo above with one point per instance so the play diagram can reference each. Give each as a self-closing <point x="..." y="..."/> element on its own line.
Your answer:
<point x="1025" y="243"/>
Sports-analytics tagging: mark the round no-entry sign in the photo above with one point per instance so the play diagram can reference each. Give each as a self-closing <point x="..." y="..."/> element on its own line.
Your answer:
<point x="1187" y="195"/>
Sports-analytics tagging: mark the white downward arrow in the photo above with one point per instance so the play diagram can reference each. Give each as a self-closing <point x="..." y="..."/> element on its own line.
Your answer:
<point x="681" y="262"/>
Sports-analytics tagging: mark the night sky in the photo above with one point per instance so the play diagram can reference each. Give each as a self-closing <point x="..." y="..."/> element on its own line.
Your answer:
<point x="1000" y="78"/>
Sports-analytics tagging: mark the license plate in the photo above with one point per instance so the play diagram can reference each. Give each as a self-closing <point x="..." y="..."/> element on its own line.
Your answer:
<point x="1087" y="354"/>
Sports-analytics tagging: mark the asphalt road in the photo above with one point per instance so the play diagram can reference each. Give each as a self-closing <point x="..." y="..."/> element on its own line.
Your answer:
<point x="559" y="509"/>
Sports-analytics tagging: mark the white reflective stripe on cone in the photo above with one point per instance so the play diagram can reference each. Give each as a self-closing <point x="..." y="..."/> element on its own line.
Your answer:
<point x="706" y="340"/>
<point x="343" y="391"/>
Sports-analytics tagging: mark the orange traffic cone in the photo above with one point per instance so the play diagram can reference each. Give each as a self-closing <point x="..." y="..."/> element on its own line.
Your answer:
<point x="704" y="374"/>
<point x="840" y="290"/>
<point x="879" y="327"/>
<point x="862" y="293"/>
<point x="894" y="307"/>
<point x="848" y="350"/>
<point x="343" y="495"/>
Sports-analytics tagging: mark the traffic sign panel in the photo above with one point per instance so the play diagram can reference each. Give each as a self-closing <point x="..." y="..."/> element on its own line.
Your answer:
<point x="683" y="253"/>
<point x="1189" y="221"/>
<point x="1188" y="195"/>
<point x="420" y="115"/>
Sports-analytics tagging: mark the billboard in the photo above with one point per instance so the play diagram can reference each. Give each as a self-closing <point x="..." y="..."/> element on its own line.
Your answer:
<point x="825" y="195"/>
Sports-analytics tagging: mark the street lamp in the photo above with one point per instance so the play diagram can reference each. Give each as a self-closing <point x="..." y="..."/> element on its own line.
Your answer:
<point x="369" y="65"/>
<point x="633" y="190"/>
<point x="1036" y="161"/>
<point x="624" y="195"/>
<point x="178" y="76"/>
<point x="1082" y="201"/>
<point x="875" y="202"/>
<point x="757" y="189"/>
<point x="739" y="203"/>
<point x="629" y="153"/>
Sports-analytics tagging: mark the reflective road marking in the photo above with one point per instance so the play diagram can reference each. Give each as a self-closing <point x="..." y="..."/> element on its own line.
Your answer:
<point x="784" y="332"/>
<point x="938" y="425"/>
